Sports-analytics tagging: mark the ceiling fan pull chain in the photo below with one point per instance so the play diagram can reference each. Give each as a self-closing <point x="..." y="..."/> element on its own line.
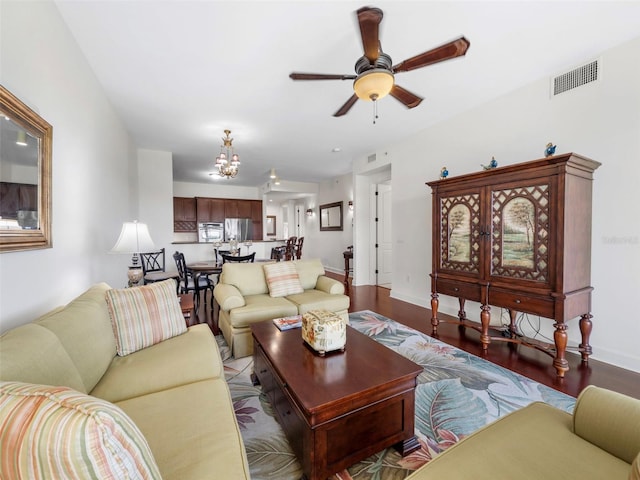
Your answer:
<point x="375" y="111"/>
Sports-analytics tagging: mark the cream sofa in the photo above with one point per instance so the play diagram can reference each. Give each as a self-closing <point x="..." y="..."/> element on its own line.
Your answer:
<point x="242" y="299"/>
<point x="174" y="391"/>
<point x="600" y="440"/>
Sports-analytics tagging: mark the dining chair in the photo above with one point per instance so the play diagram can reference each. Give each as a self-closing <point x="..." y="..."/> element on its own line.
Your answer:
<point x="218" y="253"/>
<point x="289" y="253"/>
<point x="192" y="283"/>
<point x="277" y="253"/>
<point x="299" y="248"/>
<point x="238" y="259"/>
<point x="152" y="262"/>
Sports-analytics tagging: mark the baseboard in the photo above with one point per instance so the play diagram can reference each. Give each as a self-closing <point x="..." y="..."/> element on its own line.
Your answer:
<point x="337" y="271"/>
<point x="420" y="301"/>
<point x="614" y="357"/>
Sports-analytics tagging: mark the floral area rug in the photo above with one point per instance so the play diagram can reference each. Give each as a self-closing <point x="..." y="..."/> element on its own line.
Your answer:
<point x="457" y="393"/>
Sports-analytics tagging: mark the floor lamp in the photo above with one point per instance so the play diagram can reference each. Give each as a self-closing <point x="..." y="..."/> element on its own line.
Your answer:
<point x="134" y="238"/>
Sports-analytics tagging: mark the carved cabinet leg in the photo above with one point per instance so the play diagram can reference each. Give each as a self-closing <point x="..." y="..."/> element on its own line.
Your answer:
<point x="461" y="313"/>
<point x="513" y="331"/>
<point x="434" y="313"/>
<point x="585" y="330"/>
<point x="485" y="319"/>
<point x="560" y="339"/>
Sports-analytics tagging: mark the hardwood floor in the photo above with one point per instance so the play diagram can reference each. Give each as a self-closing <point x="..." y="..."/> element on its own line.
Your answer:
<point x="524" y="360"/>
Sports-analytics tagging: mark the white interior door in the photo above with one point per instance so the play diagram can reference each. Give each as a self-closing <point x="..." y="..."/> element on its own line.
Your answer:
<point x="385" y="245"/>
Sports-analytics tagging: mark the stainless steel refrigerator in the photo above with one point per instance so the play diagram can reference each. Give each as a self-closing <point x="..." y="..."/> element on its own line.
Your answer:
<point x="237" y="229"/>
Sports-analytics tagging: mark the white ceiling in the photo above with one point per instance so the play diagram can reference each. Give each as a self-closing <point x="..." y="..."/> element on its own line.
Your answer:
<point x="180" y="72"/>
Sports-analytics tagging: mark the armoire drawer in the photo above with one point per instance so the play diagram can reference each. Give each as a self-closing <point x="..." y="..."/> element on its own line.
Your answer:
<point x="522" y="302"/>
<point x="468" y="291"/>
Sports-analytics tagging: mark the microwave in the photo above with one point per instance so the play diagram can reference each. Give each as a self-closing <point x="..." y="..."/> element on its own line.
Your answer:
<point x="210" y="232"/>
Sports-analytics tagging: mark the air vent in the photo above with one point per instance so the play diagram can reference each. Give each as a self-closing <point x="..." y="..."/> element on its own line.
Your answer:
<point x="577" y="77"/>
<point x="371" y="158"/>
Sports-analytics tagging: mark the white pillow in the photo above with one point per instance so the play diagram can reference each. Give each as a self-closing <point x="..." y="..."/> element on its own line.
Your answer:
<point x="144" y="316"/>
<point x="282" y="279"/>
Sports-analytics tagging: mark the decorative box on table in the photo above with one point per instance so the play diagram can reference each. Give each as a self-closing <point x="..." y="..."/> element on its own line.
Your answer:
<point x="324" y="331"/>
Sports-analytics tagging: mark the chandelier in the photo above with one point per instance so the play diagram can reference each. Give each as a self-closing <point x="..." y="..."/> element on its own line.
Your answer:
<point x="227" y="162"/>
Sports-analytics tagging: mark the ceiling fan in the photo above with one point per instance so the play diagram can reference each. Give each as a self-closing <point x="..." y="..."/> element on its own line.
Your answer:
<point x="375" y="70"/>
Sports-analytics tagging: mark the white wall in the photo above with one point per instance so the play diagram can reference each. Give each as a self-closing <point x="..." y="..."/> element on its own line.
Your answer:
<point x="92" y="165"/>
<point x="328" y="246"/>
<point x="600" y="121"/>
<point x="155" y="198"/>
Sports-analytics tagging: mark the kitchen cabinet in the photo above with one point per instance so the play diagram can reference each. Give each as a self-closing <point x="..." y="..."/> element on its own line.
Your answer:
<point x="210" y="209"/>
<point x="17" y="196"/>
<point x="234" y="208"/>
<point x="256" y="219"/>
<point x="517" y="237"/>
<point x="188" y="212"/>
<point x="184" y="214"/>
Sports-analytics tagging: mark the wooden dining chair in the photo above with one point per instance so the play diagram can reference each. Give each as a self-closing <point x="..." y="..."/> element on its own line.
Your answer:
<point x="192" y="283"/>
<point x="238" y="259"/>
<point x="152" y="262"/>
<point x="218" y="253"/>
<point x="299" y="248"/>
<point x="289" y="253"/>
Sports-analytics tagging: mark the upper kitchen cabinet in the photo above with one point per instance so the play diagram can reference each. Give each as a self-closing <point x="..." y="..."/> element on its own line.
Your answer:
<point x="184" y="214"/>
<point x="15" y="197"/>
<point x="210" y="210"/>
<point x="237" y="208"/>
<point x="256" y="219"/>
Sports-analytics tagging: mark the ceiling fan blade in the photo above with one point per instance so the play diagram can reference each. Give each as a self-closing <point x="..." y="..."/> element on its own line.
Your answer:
<point x="444" y="52"/>
<point x="410" y="100"/>
<point x="369" y="19"/>
<point x="320" y="76"/>
<point x="347" y="106"/>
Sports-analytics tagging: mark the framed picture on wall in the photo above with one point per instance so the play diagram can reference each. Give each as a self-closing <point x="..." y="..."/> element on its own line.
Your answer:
<point x="331" y="217"/>
<point x="271" y="225"/>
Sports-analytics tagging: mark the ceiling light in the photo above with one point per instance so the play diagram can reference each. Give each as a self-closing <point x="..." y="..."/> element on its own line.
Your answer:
<point x="226" y="168"/>
<point x="22" y="138"/>
<point x="276" y="181"/>
<point x="373" y="84"/>
<point x="273" y="173"/>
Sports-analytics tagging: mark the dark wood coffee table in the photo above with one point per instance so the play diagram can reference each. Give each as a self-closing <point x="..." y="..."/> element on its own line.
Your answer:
<point x="341" y="408"/>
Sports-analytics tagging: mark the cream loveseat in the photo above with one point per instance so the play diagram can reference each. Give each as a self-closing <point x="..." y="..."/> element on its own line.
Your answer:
<point x="600" y="440"/>
<point x="163" y="411"/>
<point x="245" y="295"/>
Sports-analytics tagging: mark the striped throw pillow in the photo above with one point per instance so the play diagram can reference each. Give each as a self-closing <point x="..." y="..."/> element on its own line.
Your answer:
<point x="282" y="279"/>
<point x="57" y="432"/>
<point x="144" y="316"/>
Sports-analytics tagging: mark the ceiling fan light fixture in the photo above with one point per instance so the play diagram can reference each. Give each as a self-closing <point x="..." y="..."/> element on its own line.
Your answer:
<point x="373" y="84"/>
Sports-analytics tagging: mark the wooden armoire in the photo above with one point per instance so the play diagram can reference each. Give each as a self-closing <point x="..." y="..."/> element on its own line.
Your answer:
<point x="517" y="237"/>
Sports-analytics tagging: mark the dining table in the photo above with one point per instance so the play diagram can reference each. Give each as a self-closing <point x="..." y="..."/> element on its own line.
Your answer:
<point x="206" y="268"/>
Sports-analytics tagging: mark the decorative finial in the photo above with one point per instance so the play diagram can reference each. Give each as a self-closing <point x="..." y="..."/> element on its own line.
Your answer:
<point x="550" y="150"/>
<point x="492" y="164"/>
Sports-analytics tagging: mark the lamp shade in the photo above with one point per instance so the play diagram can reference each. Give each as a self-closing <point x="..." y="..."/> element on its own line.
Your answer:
<point x="373" y="84"/>
<point x="133" y="238"/>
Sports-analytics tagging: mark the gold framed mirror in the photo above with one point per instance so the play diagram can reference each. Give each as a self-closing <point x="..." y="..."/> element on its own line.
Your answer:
<point x="25" y="176"/>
